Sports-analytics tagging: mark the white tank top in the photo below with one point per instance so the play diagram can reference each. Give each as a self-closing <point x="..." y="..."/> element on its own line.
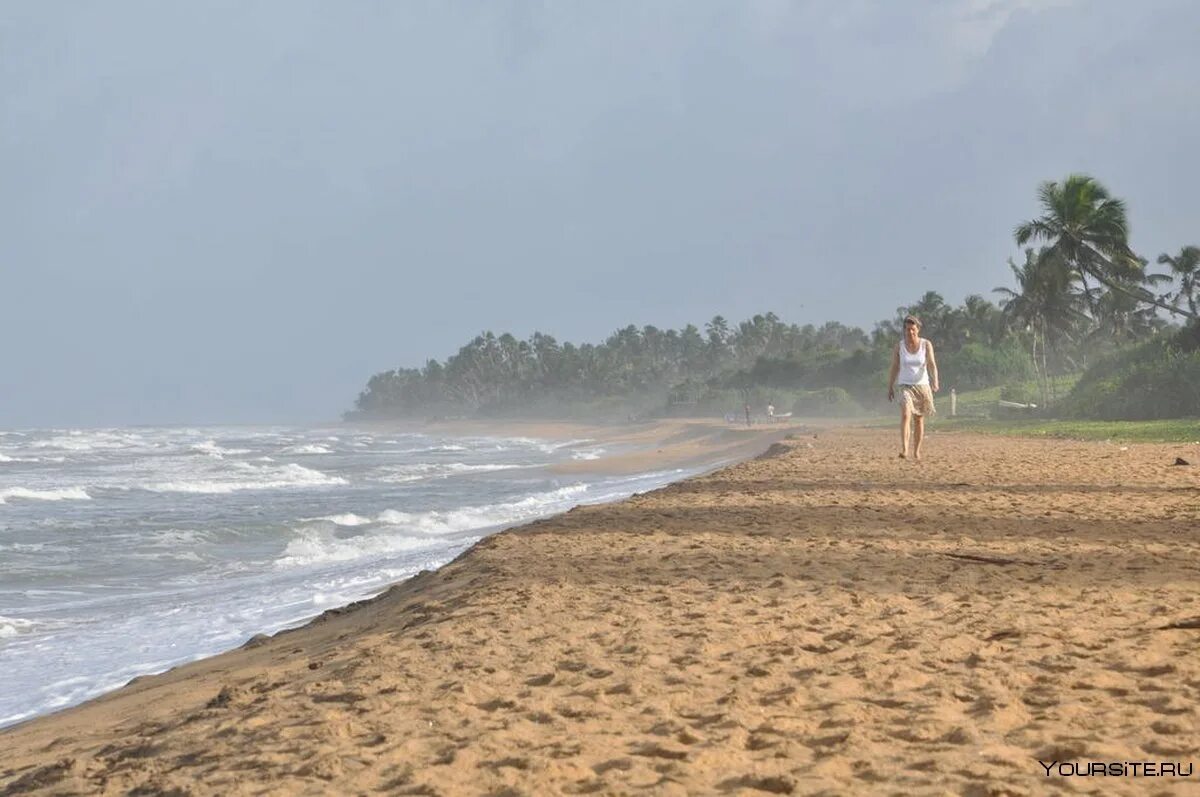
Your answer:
<point x="912" y="366"/>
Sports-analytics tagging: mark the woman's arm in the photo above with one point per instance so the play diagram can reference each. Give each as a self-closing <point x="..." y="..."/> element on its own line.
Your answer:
<point x="895" y="372"/>
<point x="934" y="385"/>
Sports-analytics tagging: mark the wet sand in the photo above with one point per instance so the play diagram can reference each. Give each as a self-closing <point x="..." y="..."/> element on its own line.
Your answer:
<point x="687" y="443"/>
<point x="828" y="619"/>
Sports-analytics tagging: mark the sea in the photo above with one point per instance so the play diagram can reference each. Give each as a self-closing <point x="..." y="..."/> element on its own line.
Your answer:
<point x="127" y="551"/>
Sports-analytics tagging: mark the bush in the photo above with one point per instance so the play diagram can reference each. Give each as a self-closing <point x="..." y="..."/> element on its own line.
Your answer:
<point x="1159" y="379"/>
<point x="976" y="366"/>
<point x="1188" y="338"/>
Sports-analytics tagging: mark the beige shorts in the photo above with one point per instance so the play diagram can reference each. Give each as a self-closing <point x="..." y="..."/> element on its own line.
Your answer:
<point x="918" y="399"/>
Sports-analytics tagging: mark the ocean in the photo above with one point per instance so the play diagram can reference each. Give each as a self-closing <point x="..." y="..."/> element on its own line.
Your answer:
<point x="127" y="551"/>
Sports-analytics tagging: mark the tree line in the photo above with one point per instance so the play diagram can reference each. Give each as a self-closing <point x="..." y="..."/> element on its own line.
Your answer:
<point x="1080" y="292"/>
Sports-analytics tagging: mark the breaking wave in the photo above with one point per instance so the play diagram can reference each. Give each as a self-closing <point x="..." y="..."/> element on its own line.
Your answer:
<point x="11" y="626"/>
<point x="211" y="448"/>
<point x="398" y="532"/>
<point x="313" y="448"/>
<point x="253" y="477"/>
<point x="64" y="494"/>
<point x="399" y="474"/>
<point x="90" y="441"/>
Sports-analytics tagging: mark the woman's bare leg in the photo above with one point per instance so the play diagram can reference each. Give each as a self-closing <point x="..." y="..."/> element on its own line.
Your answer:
<point x="918" y="434"/>
<point x="905" y="415"/>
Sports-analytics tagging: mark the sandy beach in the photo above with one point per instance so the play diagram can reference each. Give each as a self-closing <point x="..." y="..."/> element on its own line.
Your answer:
<point x="826" y="619"/>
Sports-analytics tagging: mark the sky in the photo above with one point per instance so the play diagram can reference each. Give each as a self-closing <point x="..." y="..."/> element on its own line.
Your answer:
<point x="237" y="212"/>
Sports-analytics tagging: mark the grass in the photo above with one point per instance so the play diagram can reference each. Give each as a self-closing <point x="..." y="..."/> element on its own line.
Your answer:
<point x="983" y="402"/>
<point x="1181" y="430"/>
<point x="976" y="409"/>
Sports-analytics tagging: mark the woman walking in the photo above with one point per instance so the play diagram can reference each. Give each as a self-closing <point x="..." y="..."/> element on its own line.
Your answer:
<point x="914" y="369"/>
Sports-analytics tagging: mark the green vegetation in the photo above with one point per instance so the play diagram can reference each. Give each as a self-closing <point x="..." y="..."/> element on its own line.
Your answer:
<point x="984" y="403"/>
<point x="1162" y="431"/>
<point x="832" y="370"/>
<point x="1156" y="379"/>
<point x="1082" y="334"/>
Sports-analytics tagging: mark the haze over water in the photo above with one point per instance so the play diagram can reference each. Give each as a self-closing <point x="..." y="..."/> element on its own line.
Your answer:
<point x="125" y="551"/>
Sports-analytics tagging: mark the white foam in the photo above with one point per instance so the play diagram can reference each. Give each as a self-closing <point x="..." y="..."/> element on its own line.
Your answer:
<point x="545" y="446"/>
<point x="169" y="556"/>
<point x="196" y="581"/>
<point x="404" y="531"/>
<point x="255" y="478"/>
<point x="78" y="440"/>
<point x="215" y="451"/>
<point x="348" y="519"/>
<point x="399" y="474"/>
<point x="11" y="626"/>
<point x="313" y="448"/>
<point x="170" y="538"/>
<point x="323" y="599"/>
<point x="555" y="446"/>
<point x="457" y="520"/>
<point x="588" y="454"/>
<point x="313" y="548"/>
<point x="64" y="494"/>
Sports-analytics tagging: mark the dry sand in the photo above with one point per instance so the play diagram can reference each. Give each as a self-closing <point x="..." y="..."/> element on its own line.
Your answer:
<point x="827" y="620"/>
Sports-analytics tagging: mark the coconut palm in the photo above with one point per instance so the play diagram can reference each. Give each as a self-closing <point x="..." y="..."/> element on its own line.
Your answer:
<point x="1186" y="267"/>
<point x="1122" y="319"/>
<point x="1046" y="305"/>
<point x="979" y="320"/>
<point x="1088" y="230"/>
<point x="934" y="313"/>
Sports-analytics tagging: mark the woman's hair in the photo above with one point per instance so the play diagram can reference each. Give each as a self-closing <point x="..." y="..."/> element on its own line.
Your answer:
<point x="912" y="319"/>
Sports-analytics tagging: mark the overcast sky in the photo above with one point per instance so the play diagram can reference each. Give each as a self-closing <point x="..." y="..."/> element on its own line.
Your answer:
<point x="217" y="212"/>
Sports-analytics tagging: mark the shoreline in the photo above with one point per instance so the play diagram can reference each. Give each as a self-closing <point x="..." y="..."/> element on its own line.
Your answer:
<point x="647" y="446"/>
<point x="651" y="448"/>
<point x="817" y="619"/>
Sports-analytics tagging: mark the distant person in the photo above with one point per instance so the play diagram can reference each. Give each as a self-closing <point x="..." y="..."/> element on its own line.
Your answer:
<point x="747" y="414"/>
<point x="771" y="411"/>
<point x="914" y="369"/>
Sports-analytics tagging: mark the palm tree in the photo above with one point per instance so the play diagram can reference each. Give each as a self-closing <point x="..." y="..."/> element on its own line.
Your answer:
<point x="718" y="330"/>
<point x="718" y="342"/>
<point x="933" y="311"/>
<point x="1122" y="319"/>
<point x="979" y="320"/>
<point x="1046" y="304"/>
<point x="1088" y="229"/>
<point x="1185" y="266"/>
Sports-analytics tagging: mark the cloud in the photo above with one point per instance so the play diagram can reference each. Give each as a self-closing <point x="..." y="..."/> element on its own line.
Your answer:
<point x="972" y="25"/>
<point x="871" y="54"/>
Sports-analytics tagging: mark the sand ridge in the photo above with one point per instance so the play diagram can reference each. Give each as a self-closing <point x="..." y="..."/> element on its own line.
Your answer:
<point x="825" y="620"/>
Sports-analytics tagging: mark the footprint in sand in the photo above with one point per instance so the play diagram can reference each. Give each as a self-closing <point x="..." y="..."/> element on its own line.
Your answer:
<point x="775" y="784"/>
